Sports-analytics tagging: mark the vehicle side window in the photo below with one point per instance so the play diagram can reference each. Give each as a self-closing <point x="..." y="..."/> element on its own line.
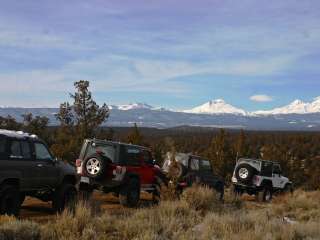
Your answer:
<point x="3" y="144"/>
<point x="147" y="157"/>
<point x="25" y="149"/>
<point x="15" y="150"/>
<point x="266" y="169"/>
<point x="42" y="153"/>
<point x="206" y="165"/>
<point x="194" y="164"/>
<point x="133" y="156"/>
<point x="276" y="169"/>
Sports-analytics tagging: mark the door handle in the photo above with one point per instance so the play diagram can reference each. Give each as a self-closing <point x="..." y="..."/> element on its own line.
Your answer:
<point x="39" y="165"/>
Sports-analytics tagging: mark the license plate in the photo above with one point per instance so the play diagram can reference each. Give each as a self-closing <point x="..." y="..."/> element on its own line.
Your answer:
<point x="85" y="179"/>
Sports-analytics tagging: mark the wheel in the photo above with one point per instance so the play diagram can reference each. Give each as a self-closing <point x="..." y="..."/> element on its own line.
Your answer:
<point x="265" y="195"/>
<point x="84" y="195"/>
<point x="177" y="171"/>
<point x="85" y="192"/>
<point x="245" y="173"/>
<point x="64" y="196"/>
<point x="129" y="195"/>
<point x="288" y="188"/>
<point x="22" y="198"/>
<point x="156" y="194"/>
<point x="95" y="166"/>
<point x="219" y="187"/>
<point x="236" y="192"/>
<point x="9" y="200"/>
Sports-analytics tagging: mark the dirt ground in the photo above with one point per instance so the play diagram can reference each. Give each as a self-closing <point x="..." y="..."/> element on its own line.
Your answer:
<point x="36" y="210"/>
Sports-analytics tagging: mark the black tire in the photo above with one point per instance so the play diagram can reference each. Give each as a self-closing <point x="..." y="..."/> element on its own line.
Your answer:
<point x="156" y="194"/>
<point x="178" y="171"/>
<point x="9" y="200"/>
<point x="236" y="192"/>
<point x="219" y="187"/>
<point x="64" y="197"/>
<point x="265" y="195"/>
<point x="85" y="192"/>
<point x="129" y="194"/>
<point x="244" y="173"/>
<point x="22" y="198"/>
<point x="95" y="166"/>
<point x="288" y="188"/>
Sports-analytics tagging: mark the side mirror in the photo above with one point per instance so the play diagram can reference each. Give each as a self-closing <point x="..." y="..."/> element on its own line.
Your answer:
<point x="55" y="160"/>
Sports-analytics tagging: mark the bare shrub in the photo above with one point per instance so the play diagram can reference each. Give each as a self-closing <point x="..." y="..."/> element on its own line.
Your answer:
<point x="201" y="198"/>
<point x="11" y="229"/>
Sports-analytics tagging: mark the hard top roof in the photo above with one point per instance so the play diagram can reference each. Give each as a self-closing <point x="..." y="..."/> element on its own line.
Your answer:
<point x="115" y="143"/>
<point x="16" y="134"/>
<point x="257" y="159"/>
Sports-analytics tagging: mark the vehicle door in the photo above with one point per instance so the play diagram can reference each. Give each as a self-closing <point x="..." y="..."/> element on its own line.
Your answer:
<point x="147" y="169"/>
<point x="18" y="162"/>
<point x="133" y="159"/>
<point x="206" y="173"/>
<point x="193" y="175"/>
<point x="277" y="180"/>
<point x="47" y="169"/>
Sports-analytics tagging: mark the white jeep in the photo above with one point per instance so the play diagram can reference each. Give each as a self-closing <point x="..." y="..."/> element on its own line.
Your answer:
<point x="260" y="178"/>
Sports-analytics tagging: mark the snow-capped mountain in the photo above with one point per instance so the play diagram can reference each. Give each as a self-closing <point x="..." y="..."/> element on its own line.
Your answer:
<point x="296" y="107"/>
<point x="131" y="106"/>
<point x="217" y="106"/>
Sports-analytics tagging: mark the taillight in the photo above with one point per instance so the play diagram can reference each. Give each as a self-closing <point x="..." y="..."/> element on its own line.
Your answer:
<point x="256" y="180"/>
<point x="78" y="162"/>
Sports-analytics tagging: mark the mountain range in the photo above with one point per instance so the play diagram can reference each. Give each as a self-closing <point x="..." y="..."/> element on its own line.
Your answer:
<point x="297" y="115"/>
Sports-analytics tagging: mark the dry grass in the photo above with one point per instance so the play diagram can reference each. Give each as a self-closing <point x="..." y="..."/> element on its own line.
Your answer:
<point x="197" y="215"/>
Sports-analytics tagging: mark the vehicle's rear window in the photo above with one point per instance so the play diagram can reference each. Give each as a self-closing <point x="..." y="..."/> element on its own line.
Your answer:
<point x="107" y="151"/>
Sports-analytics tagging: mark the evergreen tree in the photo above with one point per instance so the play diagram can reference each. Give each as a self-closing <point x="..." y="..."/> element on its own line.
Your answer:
<point x="135" y="136"/>
<point x="9" y="123"/>
<point x="36" y="125"/>
<point x="77" y="122"/>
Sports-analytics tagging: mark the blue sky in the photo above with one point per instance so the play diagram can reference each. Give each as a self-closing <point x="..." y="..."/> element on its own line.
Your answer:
<point x="170" y="53"/>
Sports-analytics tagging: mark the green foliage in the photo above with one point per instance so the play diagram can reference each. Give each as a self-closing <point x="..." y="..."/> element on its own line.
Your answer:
<point x="77" y="122"/>
<point x="135" y="137"/>
<point x="9" y="123"/>
<point x="88" y="114"/>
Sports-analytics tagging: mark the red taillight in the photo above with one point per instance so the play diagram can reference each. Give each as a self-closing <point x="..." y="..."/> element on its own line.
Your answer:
<point x="256" y="180"/>
<point x="183" y="184"/>
<point x="78" y="162"/>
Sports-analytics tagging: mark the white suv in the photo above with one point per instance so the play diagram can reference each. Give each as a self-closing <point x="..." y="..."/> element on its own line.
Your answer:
<point x="259" y="177"/>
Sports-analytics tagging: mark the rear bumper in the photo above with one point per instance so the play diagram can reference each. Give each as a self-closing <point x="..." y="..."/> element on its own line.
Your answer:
<point x="246" y="188"/>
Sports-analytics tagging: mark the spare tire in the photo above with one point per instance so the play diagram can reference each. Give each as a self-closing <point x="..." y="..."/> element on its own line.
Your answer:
<point x="245" y="173"/>
<point x="95" y="166"/>
<point x="177" y="170"/>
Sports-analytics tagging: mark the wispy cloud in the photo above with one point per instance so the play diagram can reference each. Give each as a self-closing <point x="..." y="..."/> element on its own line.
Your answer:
<point x="261" y="98"/>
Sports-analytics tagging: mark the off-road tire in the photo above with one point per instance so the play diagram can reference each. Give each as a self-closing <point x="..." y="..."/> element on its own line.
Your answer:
<point x="129" y="195"/>
<point x="177" y="171"/>
<point x="9" y="200"/>
<point x="64" y="197"/>
<point x="249" y="173"/>
<point x="85" y="192"/>
<point x="265" y="195"/>
<point x="101" y="168"/>
<point x="156" y="194"/>
<point x="219" y="188"/>
<point x="84" y="195"/>
<point x="22" y="198"/>
<point x="288" y="188"/>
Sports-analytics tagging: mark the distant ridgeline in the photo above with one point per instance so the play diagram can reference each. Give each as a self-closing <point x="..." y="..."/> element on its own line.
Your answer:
<point x="162" y="118"/>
